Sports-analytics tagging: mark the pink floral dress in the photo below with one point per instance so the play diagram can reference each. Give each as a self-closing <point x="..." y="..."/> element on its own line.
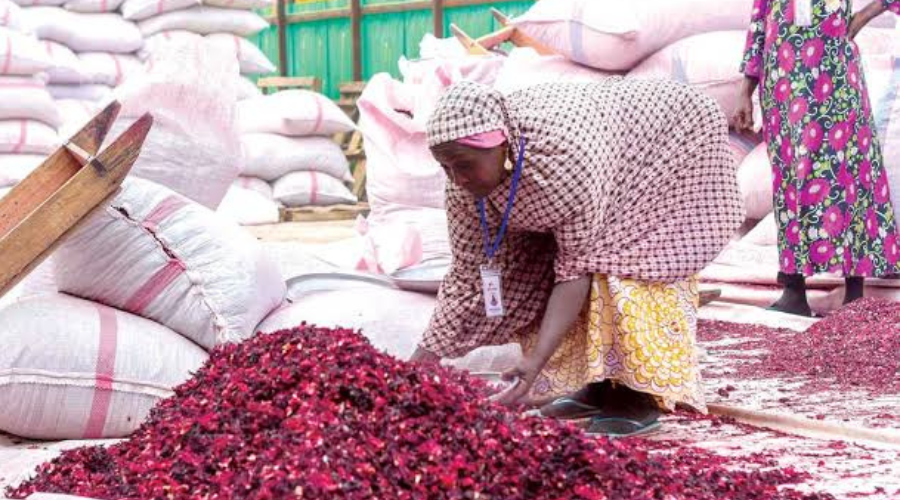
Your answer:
<point x="832" y="201"/>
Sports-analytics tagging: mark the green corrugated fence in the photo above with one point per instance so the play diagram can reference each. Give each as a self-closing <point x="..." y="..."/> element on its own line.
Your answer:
<point x="323" y="48"/>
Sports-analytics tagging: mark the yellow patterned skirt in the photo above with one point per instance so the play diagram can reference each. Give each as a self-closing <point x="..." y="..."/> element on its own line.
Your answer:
<point x="636" y="333"/>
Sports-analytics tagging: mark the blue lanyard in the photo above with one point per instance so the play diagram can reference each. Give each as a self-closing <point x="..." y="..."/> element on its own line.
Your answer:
<point x="491" y="247"/>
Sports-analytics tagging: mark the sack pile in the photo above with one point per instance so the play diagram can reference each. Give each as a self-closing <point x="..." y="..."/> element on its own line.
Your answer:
<point x="28" y="115"/>
<point x="286" y="142"/>
<point x="159" y="281"/>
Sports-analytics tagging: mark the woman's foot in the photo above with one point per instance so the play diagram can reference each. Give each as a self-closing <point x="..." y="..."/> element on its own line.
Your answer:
<point x="583" y="404"/>
<point x="626" y="413"/>
<point x="793" y="300"/>
<point x="855" y="289"/>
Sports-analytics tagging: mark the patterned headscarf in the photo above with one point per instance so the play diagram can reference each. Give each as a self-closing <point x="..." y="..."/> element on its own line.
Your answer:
<point x="467" y="109"/>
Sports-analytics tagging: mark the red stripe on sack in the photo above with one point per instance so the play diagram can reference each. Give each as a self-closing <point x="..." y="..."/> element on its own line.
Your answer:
<point x="23" y="136"/>
<point x="118" y="64"/>
<point x="105" y="371"/>
<point x="159" y="6"/>
<point x="237" y="47"/>
<point x="104" y="6"/>
<point x="319" y="114"/>
<point x="163" y="211"/>
<point x="7" y="58"/>
<point x="313" y="188"/>
<point x="244" y="182"/>
<point x="167" y="35"/>
<point x="22" y="85"/>
<point x="151" y="290"/>
<point x="6" y="13"/>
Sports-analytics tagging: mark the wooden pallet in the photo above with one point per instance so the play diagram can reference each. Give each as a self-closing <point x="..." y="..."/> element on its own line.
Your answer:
<point x="320" y="214"/>
<point x="509" y="33"/>
<point x="276" y="83"/>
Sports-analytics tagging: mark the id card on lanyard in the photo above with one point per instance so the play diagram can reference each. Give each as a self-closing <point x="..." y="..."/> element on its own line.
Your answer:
<point x="491" y="277"/>
<point x="803" y="13"/>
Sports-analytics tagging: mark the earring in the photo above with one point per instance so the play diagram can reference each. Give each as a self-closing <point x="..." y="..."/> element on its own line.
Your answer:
<point x="508" y="165"/>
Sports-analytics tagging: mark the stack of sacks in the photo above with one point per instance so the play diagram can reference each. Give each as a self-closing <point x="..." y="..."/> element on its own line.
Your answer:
<point x="174" y="280"/>
<point x="28" y="115"/>
<point x="226" y="22"/>
<point x="286" y="141"/>
<point x="91" y="32"/>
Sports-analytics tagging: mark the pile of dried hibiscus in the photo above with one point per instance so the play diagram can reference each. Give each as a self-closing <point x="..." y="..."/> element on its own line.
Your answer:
<point x="855" y="347"/>
<point x="316" y="413"/>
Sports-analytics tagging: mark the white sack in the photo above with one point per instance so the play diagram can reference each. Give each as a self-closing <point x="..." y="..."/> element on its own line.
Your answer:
<point x="27" y="99"/>
<point x="400" y="171"/>
<point x="75" y="114"/>
<point x="247" y="206"/>
<point x="66" y="67"/>
<point x="109" y="69"/>
<point x="256" y="185"/>
<point x="21" y="54"/>
<point x="159" y="41"/>
<point x="246" y="89"/>
<point x="27" y="137"/>
<point x="742" y="145"/>
<point x="14" y="168"/>
<point x="525" y="68"/>
<point x="11" y="16"/>
<point x="71" y="369"/>
<point x="85" y="32"/>
<point x="755" y="181"/>
<point x="154" y="253"/>
<point x="137" y="10"/>
<point x="87" y="92"/>
<point x="294" y="113"/>
<point x="37" y="3"/>
<point x="765" y="234"/>
<point x="617" y="34"/>
<point x="705" y="61"/>
<point x="206" y="21"/>
<point x="301" y="189"/>
<point x="192" y="148"/>
<point x="272" y="156"/>
<point x="252" y="60"/>
<point x="93" y="6"/>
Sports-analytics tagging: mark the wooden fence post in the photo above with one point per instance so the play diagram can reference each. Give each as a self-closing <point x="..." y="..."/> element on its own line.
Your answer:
<point x="282" y="38"/>
<point x="437" y="8"/>
<point x="356" y="38"/>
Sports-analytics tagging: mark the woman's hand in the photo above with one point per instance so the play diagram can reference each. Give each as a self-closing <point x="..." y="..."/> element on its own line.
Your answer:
<point x="525" y="372"/>
<point x="742" y="120"/>
<point x="863" y="17"/>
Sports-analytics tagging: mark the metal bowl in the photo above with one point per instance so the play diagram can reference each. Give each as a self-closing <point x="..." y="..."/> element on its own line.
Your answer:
<point x="326" y="282"/>
<point x="496" y="382"/>
<point x="424" y="278"/>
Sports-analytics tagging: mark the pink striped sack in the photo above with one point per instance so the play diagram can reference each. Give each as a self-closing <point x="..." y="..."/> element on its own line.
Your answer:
<point x="205" y="21"/>
<point x="11" y="16"/>
<point x="240" y="4"/>
<point x="302" y="189"/>
<point x="155" y="254"/>
<point x="14" y="168"/>
<point x="93" y="6"/>
<point x="109" y="69"/>
<point x="294" y="113"/>
<point x="73" y="369"/>
<point x="272" y="156"/>
<point x="616" y="35"/>
<point x="251" y="59"/>
<point x="27" y="137"/>
<point x="85" y="32"/>
<point x="249" y="202"/>
<point x="755" y="181"/>
<point x="21" y="54"/>
<point x="66" y="68"/>
<point x="23" y="98"/>
<point x="159" y="41"/>
<point x="138" y="10"/>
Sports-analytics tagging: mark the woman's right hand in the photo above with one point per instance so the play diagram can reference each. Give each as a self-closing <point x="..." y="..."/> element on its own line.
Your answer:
<point x="742" y="120"/>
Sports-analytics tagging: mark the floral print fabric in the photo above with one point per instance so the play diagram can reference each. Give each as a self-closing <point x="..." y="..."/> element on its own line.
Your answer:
<point x="832" y="201"/>
<point x="636" y="333"/>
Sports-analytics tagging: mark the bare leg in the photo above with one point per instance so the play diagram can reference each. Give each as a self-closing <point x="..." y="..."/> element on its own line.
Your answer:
<point x="855" y="289"/>
<point x="793" y="300"/>
<point x="424" y="357"/>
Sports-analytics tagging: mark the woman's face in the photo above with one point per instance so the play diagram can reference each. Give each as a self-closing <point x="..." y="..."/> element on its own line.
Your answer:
<point x="478" y="171"/>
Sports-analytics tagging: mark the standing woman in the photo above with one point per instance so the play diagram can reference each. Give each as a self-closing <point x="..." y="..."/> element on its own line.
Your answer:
<point x="579" y="217"/>
<point x="832" y="202"/>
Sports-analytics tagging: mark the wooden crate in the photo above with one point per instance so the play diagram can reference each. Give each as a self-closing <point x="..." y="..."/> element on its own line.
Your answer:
<point x="319" y="214"/>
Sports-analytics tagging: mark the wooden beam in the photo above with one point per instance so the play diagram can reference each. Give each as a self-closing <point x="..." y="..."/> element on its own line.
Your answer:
<point x="437" y="9"/>
<point x="282" y="37"/>
<point x="303" y="17"/>
<point x="356" y="37"/>
<point x="290" y="82"/>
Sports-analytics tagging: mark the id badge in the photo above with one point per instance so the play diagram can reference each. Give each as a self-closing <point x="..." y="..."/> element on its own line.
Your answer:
<point x="803" y="13"/>
<point x="492" y="286"/>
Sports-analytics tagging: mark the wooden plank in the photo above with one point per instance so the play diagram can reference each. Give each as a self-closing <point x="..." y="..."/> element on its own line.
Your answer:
<point x="359" y="179"/>
<point x="471" y="45"/>
<point x="355" y="87"/>
<point x="290" y="82"/>
<point x="313" y="214"/>
<point x="356" y="37"/>
<point x="496" y="38"/>
<point x="282" y="38"/>
<point x="437" y="9"/>
<point x="35" y="236"/>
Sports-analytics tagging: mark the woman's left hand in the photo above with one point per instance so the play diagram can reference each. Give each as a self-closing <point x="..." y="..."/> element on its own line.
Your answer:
<point x="526" y="372"/>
